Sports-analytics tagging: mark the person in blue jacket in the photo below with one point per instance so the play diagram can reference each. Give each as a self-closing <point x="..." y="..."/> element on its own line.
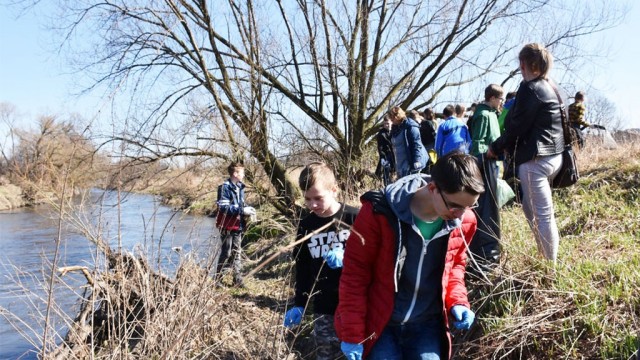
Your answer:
<point x="231" y="222"/>
<point x="411" y="156"/>
<point x="453" y="134"/>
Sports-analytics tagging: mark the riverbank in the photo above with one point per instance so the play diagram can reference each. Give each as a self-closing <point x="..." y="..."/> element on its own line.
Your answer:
<point x="11" y="197"/>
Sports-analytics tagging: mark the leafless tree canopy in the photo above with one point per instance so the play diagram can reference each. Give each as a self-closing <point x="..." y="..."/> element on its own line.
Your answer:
<point x="294" y="79"/>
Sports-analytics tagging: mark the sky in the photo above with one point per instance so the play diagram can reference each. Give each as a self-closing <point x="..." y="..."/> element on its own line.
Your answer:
<point x="35" y="79"/>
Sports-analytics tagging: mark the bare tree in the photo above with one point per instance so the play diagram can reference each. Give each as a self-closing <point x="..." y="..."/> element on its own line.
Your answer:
<point x="318" y="72"/>
<point x="602" y="111"/>
<point x="56" y="149"/>
<point x="7" y="119"/>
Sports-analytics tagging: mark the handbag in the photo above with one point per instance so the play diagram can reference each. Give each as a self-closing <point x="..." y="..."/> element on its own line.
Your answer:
<point x="568" y="174"/>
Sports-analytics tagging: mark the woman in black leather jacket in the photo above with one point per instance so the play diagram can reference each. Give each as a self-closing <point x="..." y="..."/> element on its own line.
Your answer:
<point x="533" y="135"/>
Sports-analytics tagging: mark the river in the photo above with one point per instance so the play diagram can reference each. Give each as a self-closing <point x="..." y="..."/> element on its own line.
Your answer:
<point x="140" y="224"/>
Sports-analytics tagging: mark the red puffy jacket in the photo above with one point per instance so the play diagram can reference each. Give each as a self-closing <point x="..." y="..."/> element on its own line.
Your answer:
<point x="367" y="289"/>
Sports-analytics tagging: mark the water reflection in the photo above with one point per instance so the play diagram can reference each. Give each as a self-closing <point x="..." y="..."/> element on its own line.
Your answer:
<point x="139" y="224"/>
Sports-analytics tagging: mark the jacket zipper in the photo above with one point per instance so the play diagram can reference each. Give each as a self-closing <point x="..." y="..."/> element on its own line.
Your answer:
<point x="417" y="286"/>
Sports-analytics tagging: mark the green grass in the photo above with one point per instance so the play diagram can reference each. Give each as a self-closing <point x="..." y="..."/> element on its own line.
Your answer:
<point x="586" y="306"/>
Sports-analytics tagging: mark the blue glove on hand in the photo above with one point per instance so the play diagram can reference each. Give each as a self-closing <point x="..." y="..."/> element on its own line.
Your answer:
<point x="352" y="351"/>
<point x="334" y="258"/>
<point x="293" y="316"/>
<point x="464" y="317"/>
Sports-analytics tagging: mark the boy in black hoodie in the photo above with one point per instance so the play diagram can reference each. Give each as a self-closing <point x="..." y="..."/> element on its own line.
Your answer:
<point x="319" y="259"/>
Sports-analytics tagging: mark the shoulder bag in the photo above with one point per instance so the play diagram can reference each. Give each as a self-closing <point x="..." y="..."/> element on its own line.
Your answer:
<point x="568" y="174"/>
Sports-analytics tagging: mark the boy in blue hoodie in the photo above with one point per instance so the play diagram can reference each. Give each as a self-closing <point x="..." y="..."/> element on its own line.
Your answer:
<point x="452" y="135"/>
<point x="404" y="268"/>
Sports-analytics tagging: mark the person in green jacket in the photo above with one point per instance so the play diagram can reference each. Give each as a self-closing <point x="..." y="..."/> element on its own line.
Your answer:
<point x="508" y="104"/>
<point x="483" y="125"/>
<point x="485" y="129"/>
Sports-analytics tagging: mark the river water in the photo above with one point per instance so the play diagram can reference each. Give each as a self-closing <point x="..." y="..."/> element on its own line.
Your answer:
<point x="140" y="224"/>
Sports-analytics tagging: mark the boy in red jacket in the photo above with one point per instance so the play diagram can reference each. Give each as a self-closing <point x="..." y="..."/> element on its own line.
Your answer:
<point x="403" y="274"/>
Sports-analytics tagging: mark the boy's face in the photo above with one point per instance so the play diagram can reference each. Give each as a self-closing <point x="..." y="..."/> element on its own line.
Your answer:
<point x="496" y="101"/>
<point x="320" y="199"/>
<point x="387" y="124"/>
<point x="238" y="174"/>
<point x="454" y="205"/>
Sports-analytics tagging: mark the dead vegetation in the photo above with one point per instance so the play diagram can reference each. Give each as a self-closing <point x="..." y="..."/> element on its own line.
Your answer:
<point x="583" y="308"/>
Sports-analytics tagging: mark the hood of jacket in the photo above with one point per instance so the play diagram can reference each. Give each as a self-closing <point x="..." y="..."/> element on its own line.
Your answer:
<point x="484" y="107"/>
<point x="399" y="194"/>
<point x="406" y="124"/>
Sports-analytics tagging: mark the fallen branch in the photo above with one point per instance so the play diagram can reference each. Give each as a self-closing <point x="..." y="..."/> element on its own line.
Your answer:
<point x="64" y="270"/>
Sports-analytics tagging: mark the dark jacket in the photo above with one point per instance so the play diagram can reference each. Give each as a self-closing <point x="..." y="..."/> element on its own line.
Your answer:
<point x="230" y="206"/>
<point x="533" y="126"/>
<point x="428" y="129"/>
<point x="377" y="256"/>
<point x="411" y="156"/>
<point x="385" y="151"/>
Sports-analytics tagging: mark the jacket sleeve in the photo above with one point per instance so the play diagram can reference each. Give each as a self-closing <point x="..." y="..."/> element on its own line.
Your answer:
<point x="439" y="140"/>
<point x="303" y="274"/>
<point x="456" y="290"/>
<point x="521" y="119"/>
<point x="357" y="274"/>
<point x="415" y="147"/>
<point x="381" y="147"/>
<point x="464" y="133"/>
<point x="226" y="201"/>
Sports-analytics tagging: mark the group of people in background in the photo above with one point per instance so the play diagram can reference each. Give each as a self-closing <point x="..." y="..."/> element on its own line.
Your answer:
<point x="386" y="281"/>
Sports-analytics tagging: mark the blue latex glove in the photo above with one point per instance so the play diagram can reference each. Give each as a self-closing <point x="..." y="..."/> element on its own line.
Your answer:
<point x="352" y="351"/>
<point x="293" y="316"/>
<point x="334" y="258"/>
<point x="464" y="317"/>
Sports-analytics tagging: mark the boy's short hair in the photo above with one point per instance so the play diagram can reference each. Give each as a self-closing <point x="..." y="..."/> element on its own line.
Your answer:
<point x="414" y="114"/>
<point x="510" y="95"/>
<point x="316" y="173"/>
<point x="579" y="96"/>
<point x="457" y="172"/>
<point x="448" y="110"/>
<point x="460" y="109"/>
<point x="234" y="166"/>
<point x="428" y="114"/>
<point x="493" y="90"/>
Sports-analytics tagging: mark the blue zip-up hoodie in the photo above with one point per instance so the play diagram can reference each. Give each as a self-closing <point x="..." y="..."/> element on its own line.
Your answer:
<point x="411" y="157"/>
<point x="420" y="261"/>
<point x="453" y="135"/>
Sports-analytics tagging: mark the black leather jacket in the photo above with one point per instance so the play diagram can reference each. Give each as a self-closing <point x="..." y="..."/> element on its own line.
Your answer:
<point x="533" y="126"/>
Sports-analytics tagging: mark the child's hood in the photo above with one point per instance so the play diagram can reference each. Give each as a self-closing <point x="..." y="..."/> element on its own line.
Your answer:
<point x="399" y="195"/>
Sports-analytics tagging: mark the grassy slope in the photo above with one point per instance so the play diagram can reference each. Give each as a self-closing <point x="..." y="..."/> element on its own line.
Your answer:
<point x="587" y="307"/>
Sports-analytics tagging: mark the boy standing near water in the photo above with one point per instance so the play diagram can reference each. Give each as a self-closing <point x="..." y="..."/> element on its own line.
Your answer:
<point x="319" y="259"/>
<point x="230" y="221"/>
